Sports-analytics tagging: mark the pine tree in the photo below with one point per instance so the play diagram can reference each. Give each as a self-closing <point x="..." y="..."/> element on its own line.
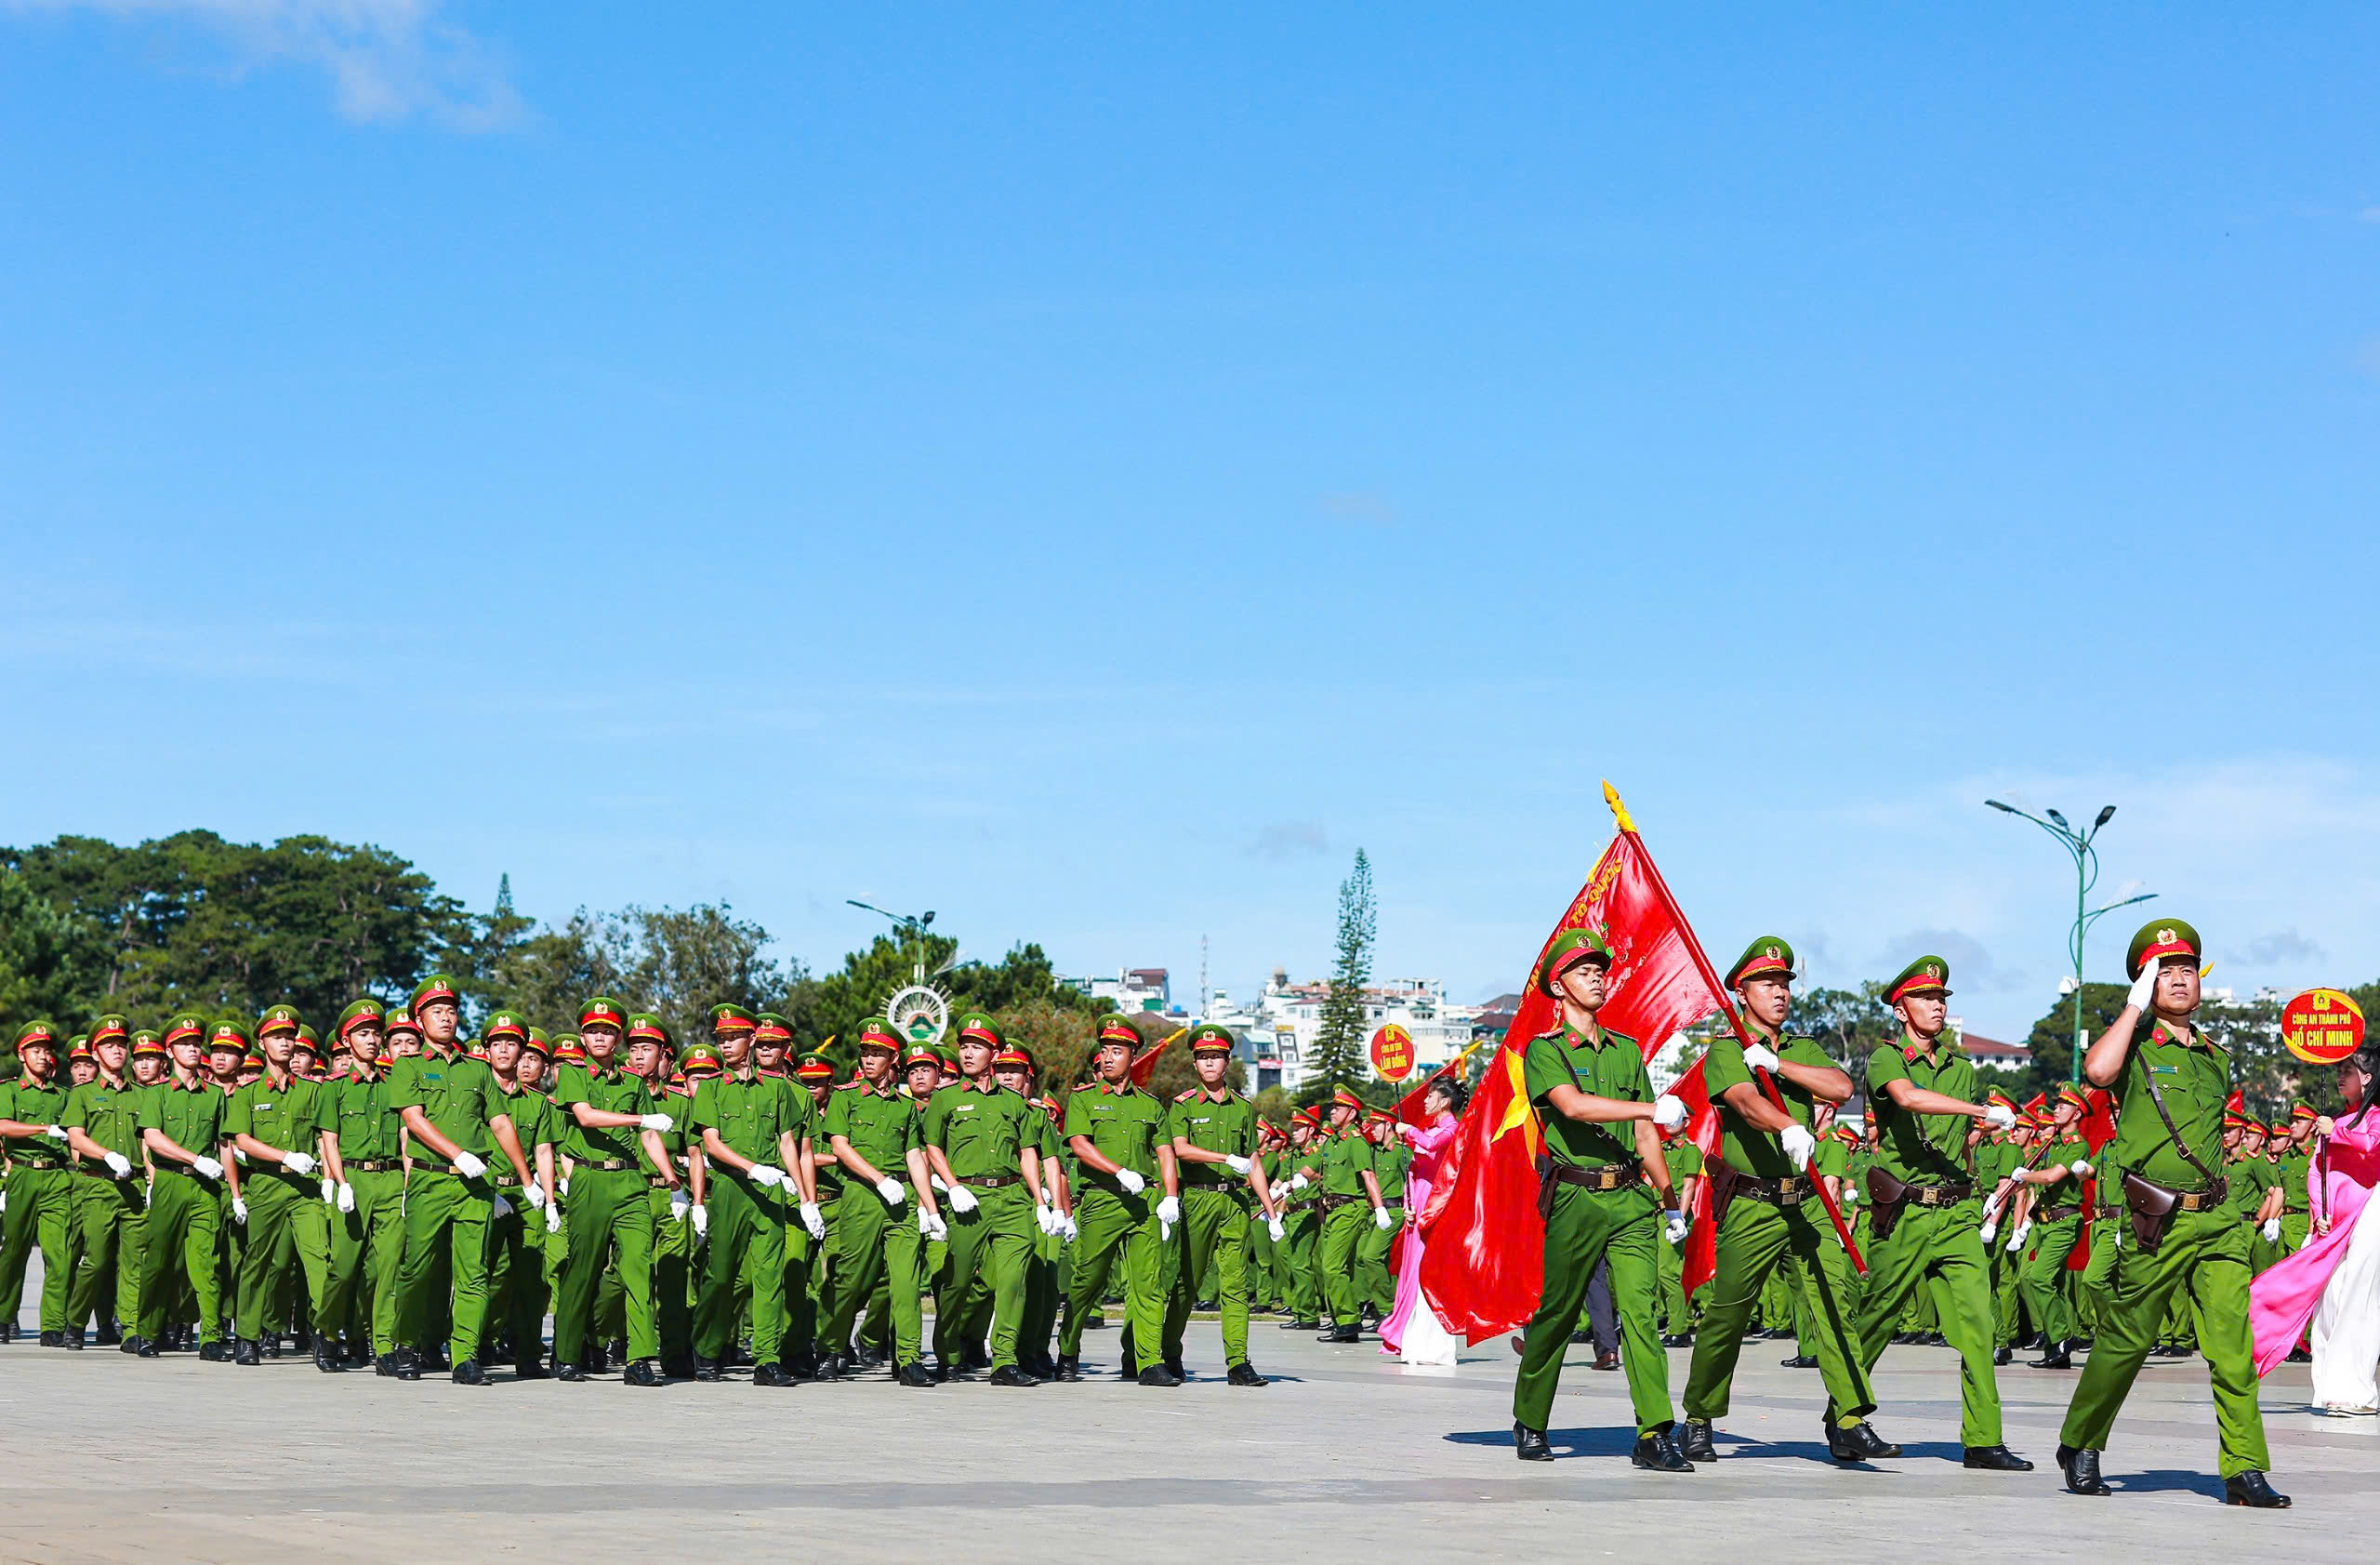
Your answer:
<point x="1338" y="1048"/>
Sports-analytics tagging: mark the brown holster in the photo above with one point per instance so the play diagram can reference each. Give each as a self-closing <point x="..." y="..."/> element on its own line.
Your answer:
<point x="1723" y="1190"/>
<point x="2153" y="1206"/>
<point x="1551" y="1174"/>
<point x="1886" y="1196"/>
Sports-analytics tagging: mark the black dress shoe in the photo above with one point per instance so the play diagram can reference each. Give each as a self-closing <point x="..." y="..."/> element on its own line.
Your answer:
<point x="1859" y="1443"/>
<point x="643" y="1371"/>
<point x="835" y="1366"/>
<point x="1244" y="1374"/>
<point x="1070" y="1369"/>
<point x="617" y="1351"/>
<point x="7" y="1331"/>
<point x="214" y="1353"/>
<point x="596" y="1362"/>
<point x="2250" y="1489"/>
<point x="434" y="1360"/>
<point x="2056" y="1358"/>
<point x="1301" y="1325"/>
<point x="915" y="1374"/>
<point x="408" y="1364"/>
<point x="147" y="1349"/>
<point x="529" y="1369"/>
<point x="246" y="1353"/>
<point x="706" y="1368"/>
<point x="1529" y="1444"/>
<point x="572" y="1373"/>
<point x="2298" y="1356"/>
<point x="1678" y="1339"/>
<point x="1799" y="1362"/>
<point x="323" y="1360"/>
<point x="2001" y="1356"/>
<point x="1657" y="1453"/>
<point x="1173" y="1367"/>
<point x="1607" y="1360"/>
<point x="468" y="1372"/>
<point x="763" y="1374"/>
<point x="1694" y="1441"/>
<point x="1158" y="1375"/>
<point x="972" y="1358"/>
<point x="53" y="1339"/>
<point x="1009" y="1374"/>
<point x="110" y="1333"/>
<point x="678" y="1369"/>
<point x="1341" y="1333"/>
<point x="1996" y="1459"/>
<point x="2080" y="1464"/>
<point x="73" y="1339"/>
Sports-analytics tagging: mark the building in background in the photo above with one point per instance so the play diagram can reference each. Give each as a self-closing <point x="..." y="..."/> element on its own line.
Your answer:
<point x="1279" y="1028"/>
<point x="1132" y="989"/>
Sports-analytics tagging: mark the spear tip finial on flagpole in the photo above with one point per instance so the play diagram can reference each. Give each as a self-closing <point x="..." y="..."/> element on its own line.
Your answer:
<point x="1618" y="809"/>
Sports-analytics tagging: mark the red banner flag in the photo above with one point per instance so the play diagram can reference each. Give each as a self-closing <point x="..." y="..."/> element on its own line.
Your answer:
<point x="2098" y="1128"/>
<point x="1483" y="1261"/>
<point x="1144" y="1065"/>
<point x="1409" y="1108"/>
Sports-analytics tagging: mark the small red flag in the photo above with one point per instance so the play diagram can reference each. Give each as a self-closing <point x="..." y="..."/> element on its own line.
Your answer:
<point x="2098" y="1128"/>
<point x="1144" y="1065"/>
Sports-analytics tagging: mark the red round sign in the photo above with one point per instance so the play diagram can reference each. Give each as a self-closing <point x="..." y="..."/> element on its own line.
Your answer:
<point x="1393" y="1051"/>
<point x="2322" y="1027"/>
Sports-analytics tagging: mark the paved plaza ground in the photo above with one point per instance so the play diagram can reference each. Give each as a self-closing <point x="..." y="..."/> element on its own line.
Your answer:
<point x="1345" y="1456"/>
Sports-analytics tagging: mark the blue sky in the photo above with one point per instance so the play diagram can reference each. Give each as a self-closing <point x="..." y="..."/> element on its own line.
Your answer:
<point x="1085" y="471"/>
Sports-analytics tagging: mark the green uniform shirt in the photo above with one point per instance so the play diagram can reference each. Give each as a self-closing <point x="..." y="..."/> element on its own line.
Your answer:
<point x="1225" y="1124"/>
<point x="752" y="1113"/>
<point x="358" y="1112"/>
<point x="1684" y="1159"/>
<point x="1994" y="1161"/>
<point x="1123" y="1125"/>
<point x="1610" y="1066"/>
<point x="1833" y="1157"/>
<point x="681" y="1135"/>
<point x="982" y="1132"/>
<point x="1922" y="1149"/>
<point x="2251" y="1177"/>
<point x="458" y="1096"/>
<point x="612" y="1092"/>
<point x="190" y="1118"/>
<point x="535" y="1120"/>
<point x="1749" y="1151"/>
<point x="288" y="1117"/>
<point x="2194" y="1080"/>
<point x="1389" y="1164"/>
<point x="880" y="1126"/>
<point x="2066" y="1191"/>
<point x="21" y="1100"/>
<point x="1346" y="1156"/>
<point x="108" y="1115"/>
<point x="2289" y="1172"/>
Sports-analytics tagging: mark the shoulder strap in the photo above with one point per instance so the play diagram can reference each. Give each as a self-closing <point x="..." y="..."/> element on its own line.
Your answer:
<point x="2172" y="1133"/>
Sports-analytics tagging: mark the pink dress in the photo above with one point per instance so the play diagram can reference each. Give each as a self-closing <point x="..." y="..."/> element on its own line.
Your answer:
<point x="1429" y="1149"/>
<point x="2283" y="1301"/>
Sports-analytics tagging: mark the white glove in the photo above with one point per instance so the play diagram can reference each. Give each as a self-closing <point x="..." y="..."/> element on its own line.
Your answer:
<point x="962" y="1200"/>
<point x="1760" y="1056"/>
<point x="2143" y="987"/>
<point x="2271" y="1230"/>
<point x="1669" y="1113"/>
<point x="118" y="1165"/>
<point x="532" y="1196"/>
<point x="1045" y="1218"/>
<point x="242" y="1156"/>
<point x="330" y="1190"/>
<point x="1273" y="1225"/>
<point x="812" y="1219"/>
<point x="657" y="1123"/>
<point x="1850" y="1193"/>
<point x="469" y="1165"/>
<point x="937" y="1182"/>
<point x="1134" y="1183"/>
<point x="1675" y="1224"/>
<point x="768" y="1176"/>
<point x="1998" y="1116"/>
<point x="239" y="1209"/>
<point x="1168" y="1210"/>
<point x="1237" y="1163"/>
<point x="1799" y="1143"/>
<point x="701" y="1215"/>
<point x="561" y="1186"/>
<point x="679" y="1204"/>
<point x="2016" y="1240"/>
<point x="1298" y="1181"/>
<point x="1382" y="1219"/>
<point x="346" y="1198"/>
<point x="1067" y="1230"/>
<point x="1989" y="1232"/>
<point x="891" y="1190"/>
<point x="298" y="1163"/>
<point x="2078" y="1166"/>
<point x="500" y="1207"/>
<point x="930" y="1224"/>
<point x="206" y="1168"/>
<point x="58" y="1133"/>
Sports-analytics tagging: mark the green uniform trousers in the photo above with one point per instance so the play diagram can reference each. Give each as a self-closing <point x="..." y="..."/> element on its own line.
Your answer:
<point x="2205" y="1255"/>
<point x="1263" y="1275"/>
<point x="744" y="1259"/>
<point x="286" y="1230"/>
<point x="1041" y="1319"/>
<point x="988" y="1250"/>
<point x="1213" y="1233"/>
<point x="1677" y="1316"/>
<point x="803" y="1256"/>
<point x="1375" y="1284"/>
<point x="1585" y="1229"/>
<point x="178" y="1255"/>
<point x="1117" y="1227"/>
<point x="1937" y="1249"/>
<point x="2049" y="1296"/>
<point x="41" y="1210"/>
<point x="2098" y="1272"/>
<point x="878" y="1250"/>
<point x="106" y="1247"/>
<point x="1342" y="1238"/>
<point x="446" y="1222"/>
<point x="1300" y="1228"/>
<point x="610" y="1225"/>
<point x="516" y="1282"/>
<point x="1754" y="1238"/>
<point x="673" y="1278"/>
<point x="367" y="1246"/>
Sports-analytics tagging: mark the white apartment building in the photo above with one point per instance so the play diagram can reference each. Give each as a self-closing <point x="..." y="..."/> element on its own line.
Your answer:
<point x="1282" y="1027"/>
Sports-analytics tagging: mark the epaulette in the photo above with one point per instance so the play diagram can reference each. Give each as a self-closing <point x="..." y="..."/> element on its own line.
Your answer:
<point x="1187" y="1095"/>
<point x="847" y="1086"/>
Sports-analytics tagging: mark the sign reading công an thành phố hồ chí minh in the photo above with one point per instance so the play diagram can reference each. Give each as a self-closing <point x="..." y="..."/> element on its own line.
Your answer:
<point x="2321" y="1027"/>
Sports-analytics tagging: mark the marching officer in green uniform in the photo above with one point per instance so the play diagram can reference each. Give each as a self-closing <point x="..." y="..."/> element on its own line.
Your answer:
<point x="1350" y="1201"/>
<point x="363" y="1154"/>
<point x="1116" y="1132"/>
<point x="809" y="1262"/>
<point x="1765" y="1210"/>
<point x="1606" y="1196"/>
<point x="1926" y="1216"/>
<point x="450" y="1104"/>
<point x="1683" y="1159"/>
<point x="2293" y="1159"/>
<point x="879" y="1244"/>
<point x="1992" y="1165"/>
<point x="986" y="1144"/>
<point x="181" y="1127"/>
<point x="102" y="1125"/>
<point x="609" y="1116"/>
<point x="1300" y="1224"/>
<point x="39" y="1187"/>
<point x="2050" y="1227"/>
<point x="1390" y="1160"/>
<point x="1015" y="1069"/>
<point x="1212" y="1131"/>
<point x="277" y="1125"/>
<point x="681" y="1211"/>
<point x="518" y="1226"/>
<point x="2170" y="1088"/>
<point x="755" y="1133"/>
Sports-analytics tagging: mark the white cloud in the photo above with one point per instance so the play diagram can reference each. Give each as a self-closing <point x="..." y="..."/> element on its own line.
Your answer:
<point x="388" y="60"/>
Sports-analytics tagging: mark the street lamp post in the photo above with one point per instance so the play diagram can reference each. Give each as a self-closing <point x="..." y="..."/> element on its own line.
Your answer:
<point x="2086" y="875"/>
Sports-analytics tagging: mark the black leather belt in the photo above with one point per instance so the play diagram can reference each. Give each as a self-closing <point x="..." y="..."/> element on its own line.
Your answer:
<point x="1328" y="1204"/>
<point x="2206" y="1200"/>
<point x="609" y="1165"/>
<point x="1603" y="1176"/>
<point x="373" y="1165"/>
<point x="1938" y="1195"/>
<point x="992" y="1180"/>
<point x="37" y="1162"/>
<point x="2059" y="1214"/>
<point x="505" y="1181"/>
<point x="1791" y="1189"/>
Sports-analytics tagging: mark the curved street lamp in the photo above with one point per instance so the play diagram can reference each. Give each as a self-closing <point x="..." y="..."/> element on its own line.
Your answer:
<point x="2086" y="875"/>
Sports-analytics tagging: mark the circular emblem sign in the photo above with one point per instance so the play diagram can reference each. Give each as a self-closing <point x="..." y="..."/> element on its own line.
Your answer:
<point x="2321" y="1027"/>
<point x="1393" y="1051"/>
